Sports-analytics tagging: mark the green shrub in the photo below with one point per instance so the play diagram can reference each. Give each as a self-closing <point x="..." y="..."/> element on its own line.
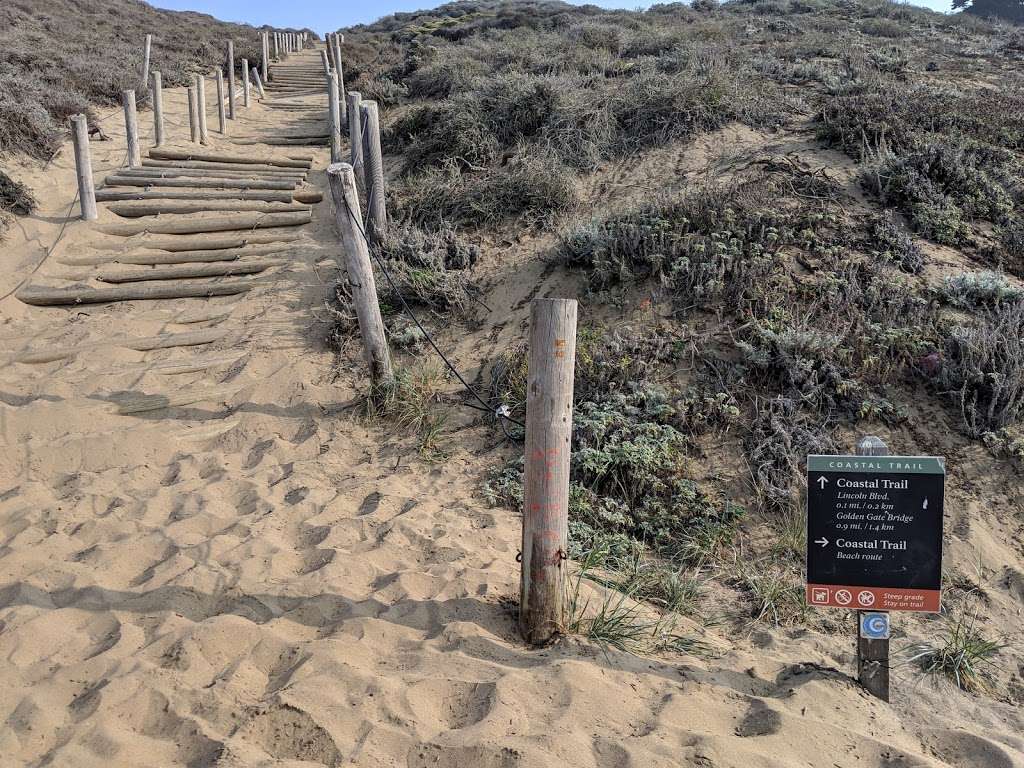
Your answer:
<point x="964" y="654"/>
<point x="15" y="197"/>
<point x="889" y="242"/>
<point x="983" y="369"/>
<point x="974" y="289"/>
<point x="944" y="186"/>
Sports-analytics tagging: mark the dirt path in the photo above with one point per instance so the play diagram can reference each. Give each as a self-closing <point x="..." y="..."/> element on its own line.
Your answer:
<point x="204" y="561"/>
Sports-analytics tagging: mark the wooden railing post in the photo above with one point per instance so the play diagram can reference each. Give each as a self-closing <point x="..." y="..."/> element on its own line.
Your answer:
<point x="231" y="80"/>
<point x="360" y="271"/>
<point x="193" y="111"/>
<point x="872" y="654"/>
<point x="264" y="55"/>
<point x="259" y="83"/>
<point x="83" y="165"/>
<point x="147" y="48"/>
<point x="245" y="83"/>
<point x="355" y="135"/>
<point x="326" y="62"/>
<point x="221" y="116"/>
<point x="131" y="129"/>
<point x="277" y="45"/>
<point x="373" y="171"/>
<point x="549" y="392"/>
<point x="204" y="133"/>
<point x="158" y="109"/>
<point x="334" y="116"/>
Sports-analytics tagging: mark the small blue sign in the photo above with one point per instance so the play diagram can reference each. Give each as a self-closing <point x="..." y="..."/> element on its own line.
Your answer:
<point x="874" y="625"/>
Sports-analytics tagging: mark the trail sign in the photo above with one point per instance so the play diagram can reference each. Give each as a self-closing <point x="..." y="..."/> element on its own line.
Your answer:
<point x="874" y="532"/>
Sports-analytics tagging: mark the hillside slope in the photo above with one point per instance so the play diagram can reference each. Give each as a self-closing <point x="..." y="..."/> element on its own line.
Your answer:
<point x="788" y="223"/>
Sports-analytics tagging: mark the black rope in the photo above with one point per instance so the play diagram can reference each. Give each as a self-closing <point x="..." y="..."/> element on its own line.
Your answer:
<point x="499" y="413"/>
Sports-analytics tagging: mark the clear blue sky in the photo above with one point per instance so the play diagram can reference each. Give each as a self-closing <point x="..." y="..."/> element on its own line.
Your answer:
<point x="324" y="15"/>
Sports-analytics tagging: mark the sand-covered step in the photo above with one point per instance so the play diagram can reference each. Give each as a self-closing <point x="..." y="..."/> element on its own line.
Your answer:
<point x="134" y="209"/>
<point x="55" y="297"/>
<point x="105" y="195"/>
<point x="193" y="225"/>
<point x="206" y="165"/>
<point x="215" y="157"/>
<point x="211" y="173"/>
<point x="155" y="258"/>
<point x="190" y="271"/>
<point x="120" y="180"/>
<point x="180" y="243"/>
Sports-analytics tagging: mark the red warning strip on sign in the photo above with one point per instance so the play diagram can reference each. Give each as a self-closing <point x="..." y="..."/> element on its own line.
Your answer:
<point x="872" y="598"/>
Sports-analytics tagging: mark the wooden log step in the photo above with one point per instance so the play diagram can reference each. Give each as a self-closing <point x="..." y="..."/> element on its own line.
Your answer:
<point x="194" y="225"/>
<point x="181" y="243"/>
<point x="156" y="181"/>
<point x="159" y="258"/>
<point x="283" y="141"/>
<point x="213" y="157"/>
<point x="134" y="209"/>
<point x="188" y="272"/>
<point x="147" y="403"/>
<point x="137" y="343"/>
<point x="57" y="297"/>
<point x="135" y="193"/>
<point x="210" y="173"/>
<point x="153" y="258"/>
<point x="204" y="165"/>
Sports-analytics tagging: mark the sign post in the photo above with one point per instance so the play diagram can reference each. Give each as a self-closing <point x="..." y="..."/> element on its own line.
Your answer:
<point x="874" y="543"/>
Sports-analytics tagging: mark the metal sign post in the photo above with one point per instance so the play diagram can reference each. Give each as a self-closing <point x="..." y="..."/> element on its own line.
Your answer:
<point x="874" y="543"/>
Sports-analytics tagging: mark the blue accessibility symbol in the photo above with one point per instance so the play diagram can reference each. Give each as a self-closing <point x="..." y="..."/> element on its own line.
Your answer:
<point x="874" y="625"/>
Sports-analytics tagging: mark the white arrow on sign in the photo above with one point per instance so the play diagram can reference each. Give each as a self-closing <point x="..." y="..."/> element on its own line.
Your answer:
<point x="925" y="505"/>
<point x="823" y="541"/>
<point x="821" y="481"/>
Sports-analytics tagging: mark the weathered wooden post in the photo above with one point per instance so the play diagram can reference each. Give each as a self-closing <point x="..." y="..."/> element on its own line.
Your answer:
<point x="259" y="83"/>
<point x="326" y="61"/>
<point x="277" y="45"/>
<point x="360" y="271"/>
<point x="158" y="108"/>
<point x="373" y="171"/>
<point x="131" y="129"/>
<point x="193" y="111"/>
<point x="231" y="80"/>
<point x="334" y="116"/>
<point x="83" y="164"/>
<point x="221" y="117"/>
<point x="245" y="83"/>
<point x="264" y="54"/>
<point x="872" y="654"/>
<point x="145" y="60"/>
<point x="355" y="136"/>
<point x="204" y="134"/>
<point x="546" y="485"/>
<point x="340" y="70"/>
<point x="329" y="49"/>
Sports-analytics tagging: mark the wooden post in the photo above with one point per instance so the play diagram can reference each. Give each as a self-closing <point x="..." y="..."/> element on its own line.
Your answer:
<point x="355" y="136"/>
<point x="204" y="134"/>
<point x="340" y="70"/>
<point x="83" y="164"/>
<point x="221" y="117"/>
<point x="373" y="171"/>
<point x="334" y="116"/>
<point x="277" y="45"/>
<point x="145" y="60"/>
<point x="193" y="111"/>
<point x="872" y="655"/>
<point x="329" y="49"/>
<point x="264" y="55"/>
<point x="245" y="83"/>
<point x="326" y="61"/>
<point x="546" y="485"/>
<point x="231" y="80"/>
<point x="360" y="271"/>
<point x="131" y="129"/>
<point x="259" y="83"/>
<point x="158" y="109"/>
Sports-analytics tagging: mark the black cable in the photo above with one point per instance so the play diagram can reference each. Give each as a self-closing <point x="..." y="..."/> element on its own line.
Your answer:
<point x="408" y="310"/>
